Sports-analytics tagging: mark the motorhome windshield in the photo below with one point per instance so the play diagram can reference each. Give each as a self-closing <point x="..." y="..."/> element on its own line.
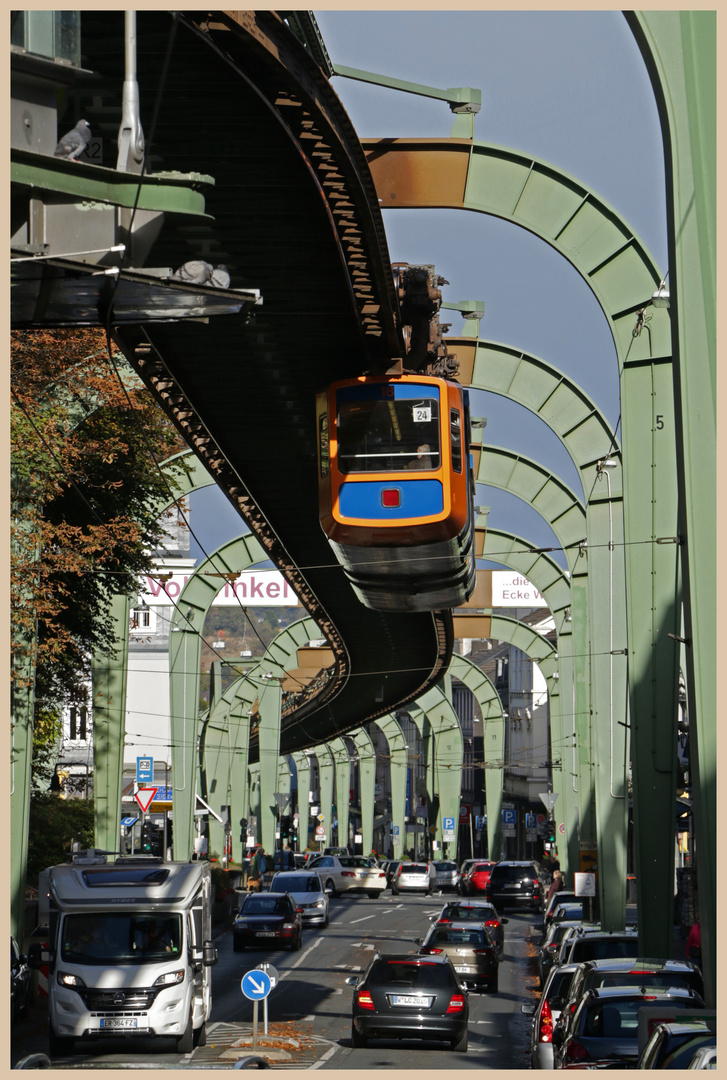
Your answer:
<point x="119" y="938"/>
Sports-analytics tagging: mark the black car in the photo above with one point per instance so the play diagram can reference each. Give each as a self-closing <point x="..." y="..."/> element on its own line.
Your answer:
<point x="592" y="974"/>
<point x="672" y="1045"/>
<point x="517" y="884"/>
<point x="268" y="919"/>
<point x="21" y="986"/>
<point x="401" y="996"/>
<point x="391" y="868"/>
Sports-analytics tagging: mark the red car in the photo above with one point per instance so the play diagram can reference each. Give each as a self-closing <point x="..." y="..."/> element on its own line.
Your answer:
<point x="477" y="878"/>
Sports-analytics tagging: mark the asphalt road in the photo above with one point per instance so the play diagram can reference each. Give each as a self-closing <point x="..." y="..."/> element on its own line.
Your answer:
<point x="309" y="1010"/>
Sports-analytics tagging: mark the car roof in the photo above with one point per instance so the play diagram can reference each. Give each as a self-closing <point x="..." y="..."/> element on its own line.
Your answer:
<point x="629" y="964"/>
<point x="605" y="993"/>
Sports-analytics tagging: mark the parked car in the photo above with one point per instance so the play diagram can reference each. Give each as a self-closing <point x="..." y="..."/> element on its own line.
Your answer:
<point x="446" y="875"/>
<point x="593" y="943"/>
<point x="469" y="946"/>
<point x="266" y="919"/>
<point x="545" y="1015"/>
<point x="349" y="873"/>
<point x="592" y="974"/>
<point x="404" y="996"/>
<point x="306" y="888"/>
<point x="568" y="911"/>
<point x="475" y="910"/>
<point x="550" y="948"/>
<point x="673" y="1045"/>
<point x="412" y="877"/>
<point x="560" y="897"/>
<point x="605" y="1025"/>
<point x="464" y="868"/>
<point x="475" y="881"/>
<point x="517" y="884"/>
<point x="21" y="982"/>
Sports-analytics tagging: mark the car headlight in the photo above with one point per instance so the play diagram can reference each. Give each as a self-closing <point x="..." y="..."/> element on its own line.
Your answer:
<point x="170" y="978"/>
<point x="65" y="979"/>
<point x="319" y="903"/>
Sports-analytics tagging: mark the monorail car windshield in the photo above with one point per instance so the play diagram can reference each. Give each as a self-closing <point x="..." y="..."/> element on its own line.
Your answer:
<point x="396" y="489"/>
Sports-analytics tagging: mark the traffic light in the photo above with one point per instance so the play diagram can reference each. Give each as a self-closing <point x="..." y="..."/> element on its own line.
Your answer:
<point x="243" y="831"/>
<point x="551" y="831"/>
<point x="285" y="823"/>
<point x="147" y="836"/>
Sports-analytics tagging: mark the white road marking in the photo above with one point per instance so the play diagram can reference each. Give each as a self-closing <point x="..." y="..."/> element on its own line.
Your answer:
<point x="365" y="917"/>
<point x="328" y="1054"/>
<point x="300" y="959"/>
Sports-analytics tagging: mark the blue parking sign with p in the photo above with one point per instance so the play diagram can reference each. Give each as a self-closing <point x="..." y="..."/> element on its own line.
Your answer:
<point x="448" y="824"/>
<point x="508" y="817"/>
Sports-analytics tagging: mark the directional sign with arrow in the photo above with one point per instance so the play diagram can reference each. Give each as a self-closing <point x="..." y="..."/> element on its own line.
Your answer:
<point x="255" y="985"/>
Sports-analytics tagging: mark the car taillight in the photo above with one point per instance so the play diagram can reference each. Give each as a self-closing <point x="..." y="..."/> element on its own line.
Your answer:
<point x="553" y="945"/>
<point x="431" y="950"/>
<point x="347" y="873"/>
<point x="441" y="921"/>
<point x="456" y="1004"/>
<point x="493" y="922"/>
<point x="576" y="1051"/>
<point x="482" y="952"/>
<point x="545" y="1028"/>
<point x="364" y="999"/>
<point x="382" y="874"/>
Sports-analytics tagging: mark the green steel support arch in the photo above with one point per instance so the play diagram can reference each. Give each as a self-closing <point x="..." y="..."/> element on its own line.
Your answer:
<point x="185" y="650"/>
<point x="493" y="742"/>
<point x="679" y="50"/>
<point x="566" y="516"/>
<point x="397" y="763"/>
<point x="623" y="276"/>
<point x="552" y="583"/>
<point x="441" y="735"/>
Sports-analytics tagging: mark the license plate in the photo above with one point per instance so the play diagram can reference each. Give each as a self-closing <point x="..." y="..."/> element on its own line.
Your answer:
<point x="116" y="1022"/>
<point x="265" y="933"/>
<point x="410" y="999"/>
<point x="463" y="970"/>
<point x="510" y="885"/>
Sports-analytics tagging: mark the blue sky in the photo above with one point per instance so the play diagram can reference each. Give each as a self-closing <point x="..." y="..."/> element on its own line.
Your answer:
<point x="568" y="87"/>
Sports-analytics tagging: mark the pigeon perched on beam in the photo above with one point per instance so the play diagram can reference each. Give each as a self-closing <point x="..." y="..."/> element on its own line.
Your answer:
<point x="74" y="142"/>
<point x="199" y="272"/>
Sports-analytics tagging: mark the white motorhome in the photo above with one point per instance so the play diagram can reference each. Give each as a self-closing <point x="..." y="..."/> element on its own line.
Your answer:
<point x="130" y="949"/>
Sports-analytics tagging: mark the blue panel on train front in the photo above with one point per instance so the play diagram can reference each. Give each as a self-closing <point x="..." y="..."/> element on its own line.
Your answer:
<point x="419" y="498"/>
<point x="376" y="391"/>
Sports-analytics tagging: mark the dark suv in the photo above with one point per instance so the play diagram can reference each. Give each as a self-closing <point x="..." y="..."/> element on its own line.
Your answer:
<point x="517" y="884"/>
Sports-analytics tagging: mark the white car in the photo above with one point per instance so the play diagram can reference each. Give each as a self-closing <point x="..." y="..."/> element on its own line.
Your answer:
<point x="413" y="877"/>
<point x="307" y="890"/>
<point x="349" y="873"/>
<point x="545" y="1014"/>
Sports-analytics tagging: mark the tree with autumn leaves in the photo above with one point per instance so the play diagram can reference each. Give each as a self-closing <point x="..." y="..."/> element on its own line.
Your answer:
<point x="87" y="438"/>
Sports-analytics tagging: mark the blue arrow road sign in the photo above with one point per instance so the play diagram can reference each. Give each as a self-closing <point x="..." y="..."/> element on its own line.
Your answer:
<point x="255" y="985"/>
<point x="448" y="824"/>
<point x="127" y="822"/>
<point x="144" y="770"/>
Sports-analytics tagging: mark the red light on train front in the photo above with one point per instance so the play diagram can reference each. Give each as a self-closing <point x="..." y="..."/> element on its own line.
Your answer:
<point x="391" y="498"/>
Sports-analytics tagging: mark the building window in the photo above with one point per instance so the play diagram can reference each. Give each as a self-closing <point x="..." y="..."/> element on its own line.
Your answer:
<point x="144" y="620"/>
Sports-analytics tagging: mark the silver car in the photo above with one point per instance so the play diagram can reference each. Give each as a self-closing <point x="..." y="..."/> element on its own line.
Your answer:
<point x="412" y="877"/>
<point x="446" y="875"/>
<point x="349" y="873"/>
<point x="307" y="890"/>
<point x="546" y="1013"/>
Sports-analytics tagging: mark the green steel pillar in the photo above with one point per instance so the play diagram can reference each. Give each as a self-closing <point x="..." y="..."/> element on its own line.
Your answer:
<point x="326" y="767"/>
<point x="679" y="50"/>
<point x="441" y="734"/>
<point x="255" y="800"/>
<point x="493" y="743"/>
<point x="302" y="771"/>
<point x="184" y="654"/>
<point x="342" y="759"/>
<point x="109" y="726"/>
<point x="367" y="780"/>
<point x="398" y="763"/>
<point x="269" y="704"/>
